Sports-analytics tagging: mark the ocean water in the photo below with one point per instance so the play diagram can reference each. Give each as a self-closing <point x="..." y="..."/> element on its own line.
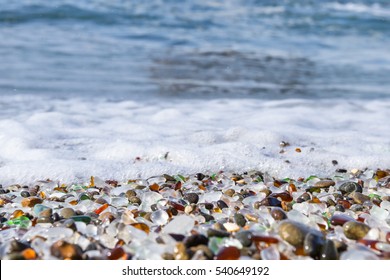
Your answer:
<point x="125" y="89"/>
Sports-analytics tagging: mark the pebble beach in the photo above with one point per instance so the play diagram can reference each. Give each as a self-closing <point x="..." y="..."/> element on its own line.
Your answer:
<point x="219" y="216"/>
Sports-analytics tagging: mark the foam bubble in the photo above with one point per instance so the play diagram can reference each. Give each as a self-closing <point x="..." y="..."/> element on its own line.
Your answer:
<point x="72" y="139"/>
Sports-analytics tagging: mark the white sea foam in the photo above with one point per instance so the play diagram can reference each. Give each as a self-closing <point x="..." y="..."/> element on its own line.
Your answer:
<point x="374" y="9"/>
<point x="72" y="139"/>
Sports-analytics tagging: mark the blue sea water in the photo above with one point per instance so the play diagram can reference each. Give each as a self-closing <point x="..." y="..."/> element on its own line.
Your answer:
<point x="123" y="89"/>
<point x="190" y="49"/>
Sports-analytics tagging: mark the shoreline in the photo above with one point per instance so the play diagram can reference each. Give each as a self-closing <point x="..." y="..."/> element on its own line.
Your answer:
<point x="200" y="216"/>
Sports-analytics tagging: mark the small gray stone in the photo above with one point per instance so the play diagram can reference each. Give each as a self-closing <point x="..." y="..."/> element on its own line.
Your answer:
<point x="66" y="213"/>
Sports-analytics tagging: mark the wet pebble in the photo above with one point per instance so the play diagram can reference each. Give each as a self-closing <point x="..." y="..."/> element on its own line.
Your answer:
<point x="195" y="240"/>
<point x="228" y="253"/>
<point x="359" y="197"/>
<point x="278" y="214"/>
<point x="349" y="187"/>
<point x="66" y="251"/>
<point x="31" y="201"/>
<point x="239" y="219"/>
<point x="66" y="213"/>
<point x="245" y="237"/>
<point x="324" y="184"/>
<point x="355" y="230"/>
<point x="293" y="232"/>
<point x="191" y="197"/>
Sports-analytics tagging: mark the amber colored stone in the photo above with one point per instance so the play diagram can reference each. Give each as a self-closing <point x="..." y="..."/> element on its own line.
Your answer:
<point x="180" y="251"/>
<point x="262" y="241"/>
<point x="369" y="243"/>
<point x="73" y="202"/>
<point x="292" y="188"/>
<point x="346" y="204"/>
<point x="315" y="200"/>
<point x="107" y="216"/>
<point x="101" y="209"/>
<point x="298" y="150"/>
<point x="264" y="238"/>
<point x="16" y="214"/>
<point x="284" y="196"/>
<point x="177" y="206"/>
<point x="155" y="187"/>
<point x="202" y="187"/>
<point x="178" y="186"/>
<point x="299" y="251"/>
<point x="286" y="206"/>
<point x="116" y="254"/>
<point x="360" y="218"/>
<point x="381" y="174"/>
<point x="324" y="184"/>
<point x="112" y="182"/>
<point x="228" y="253"/>
<point x="339" y="220"/>
<point x="31" y="201"/>
<point x="64" y="250"/>
<point x="141" y="226"/>
<point x="29" y="254"/>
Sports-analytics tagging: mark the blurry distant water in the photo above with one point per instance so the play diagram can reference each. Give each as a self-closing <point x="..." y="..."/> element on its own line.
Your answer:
<point x="124" y="89"/>
<point x="190" y="49"/>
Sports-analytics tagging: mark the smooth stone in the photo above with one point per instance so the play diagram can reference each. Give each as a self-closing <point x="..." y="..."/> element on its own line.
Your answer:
<point x="228" y="253"/>
<point x="195" y="240"/>
<point x="355" y="230"/>
<point x="294" y="232"/>
<point x="191" y="198"/>
<point x="116" y="254"/>
<point x="69" y="223"/>
<point x="230" y="192"/>
<point x="64" y="250"/>
<point x="42" y="220"/>
<point x="278" y="214"/>
<point x="329" y="251"/>
<point x="268" y="201"/>
<point x="130" y="193"/>
<point x="217" y="233"/>
<point x="180" y="225"/>
<point x="82" y="218"/>
<point x="313" y="244"/>
<point x="245" y="237"/>
<point x="159" y="217"/>
<point x="222" y="204"/>
<point x="180" y="252"/>
<point x="135" y="200"/>
<point x="207" y="217"/>
<point x="324" y="183"/>
<point x="303" y="197"/>
<point x="202" y="252"/>
<point x="24" y="194"/>
<point x="359" y="197"/>
<point x="31" y="201"/>
<point x="231" y="227"/>
<point x="340" y="220"/>
<point x="349" y="187"/>
<point x="239" y="219"/>
<point x="38" y="208"/>
<point x="45" y="213"/>
<point x="66" y="213"/>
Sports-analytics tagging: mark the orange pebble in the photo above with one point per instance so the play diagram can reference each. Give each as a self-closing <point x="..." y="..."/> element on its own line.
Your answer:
<point x="101" y="209"/>
<point x="29" y="254"/>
